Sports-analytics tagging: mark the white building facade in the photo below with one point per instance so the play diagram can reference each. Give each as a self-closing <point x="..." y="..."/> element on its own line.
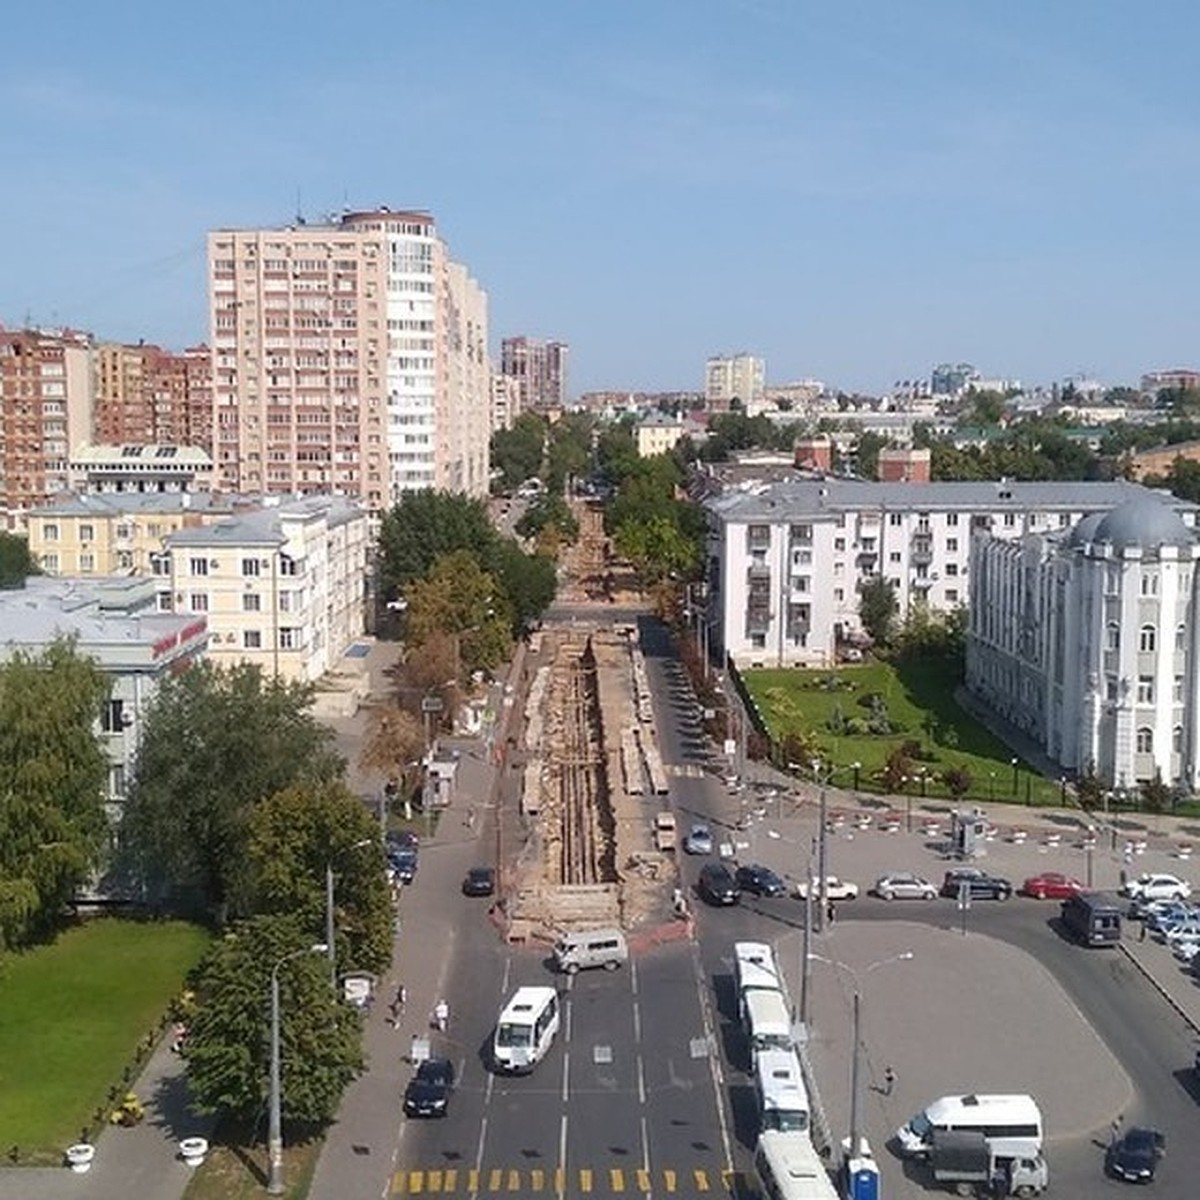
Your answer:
<point x="1087" y="640"/>
<point x="741" y="377"/>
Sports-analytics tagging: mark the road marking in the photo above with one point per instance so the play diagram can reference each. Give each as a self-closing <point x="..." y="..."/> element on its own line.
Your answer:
<point x="450" y="1179"/>
<point x="566" y="1075"/>
<point x="643" y="1180"/>
<point x="495" y="1175"/>
<point x="514" y="1181"/>
<point x="473" y="1180"/>
<point x="585" y="1180"/>
<point x="714" y="1060"/>
<point x="624" y="1181"/>
<point x="616" y="1179"/>
<point x="700" y="1178"/>
<point x="435" y="1181"/>
<point x="473" y="1174"/>
<point x="537" y="1179"/>
<point x="641" y="1078"/>
<point x="669" y="1181"/>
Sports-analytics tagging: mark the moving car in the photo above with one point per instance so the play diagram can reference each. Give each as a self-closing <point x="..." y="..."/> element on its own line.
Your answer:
<point x="979" y="885"/>
<point x="1051" y="885"/>
<point x="479" y="881"/>
<point x="403" y="861"/>
<point x="835" y="889"/>
<point x="1134" y="1155"/>
<point x="428" y="1091"/>
<point x="760" y="881"/>
<point x="699" y="840"/>
<point x="903" y="885"/>
<point x="1158" y="887"/>
<point x="717" y="884"/>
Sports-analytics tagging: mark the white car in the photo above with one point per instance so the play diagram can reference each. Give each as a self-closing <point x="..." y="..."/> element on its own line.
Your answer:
<point x="1158" y="887"/>
<point x="904" y="885"/>
<point x="835" y="889"/>
<point x="699" y="840"/>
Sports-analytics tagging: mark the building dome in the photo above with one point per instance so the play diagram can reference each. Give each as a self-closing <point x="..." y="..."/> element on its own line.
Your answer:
<point x="1085" y="530"/>
<point x="1142" y="521"/>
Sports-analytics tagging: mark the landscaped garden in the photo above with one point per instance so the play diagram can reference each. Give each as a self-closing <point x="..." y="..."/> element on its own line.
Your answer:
<point x="73" y="1014"/>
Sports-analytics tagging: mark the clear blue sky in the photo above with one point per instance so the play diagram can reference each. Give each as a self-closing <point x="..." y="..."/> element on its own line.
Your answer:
<point x="853" y="189"/>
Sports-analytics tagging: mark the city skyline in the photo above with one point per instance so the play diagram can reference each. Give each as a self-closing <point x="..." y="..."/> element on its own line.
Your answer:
<point x="851" y="194"/>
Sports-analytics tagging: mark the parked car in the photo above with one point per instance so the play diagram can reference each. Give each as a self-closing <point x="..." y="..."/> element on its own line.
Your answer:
<point x="1158" y="887"/>
<point x="717" y="884"/>
<point x="403" y="861"/>
<point x="479" y="881"/>
<point x="1134" y="1155"/>
<point x="835" y="889"/>
<point x="401" y="839"/>
<point x="904" y="885"/>
<point x="760" y="881"/>
<point x="1051" y="885"/>
<point x="979" y="885"/>
<point x="1161" y="915"/>
<point x="428" y="1091"/>
<point x="699" y="840"/>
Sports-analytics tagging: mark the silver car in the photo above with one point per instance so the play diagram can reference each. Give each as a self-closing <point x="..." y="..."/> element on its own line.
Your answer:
<point x="699" y="840"/>
<point x="904" y="885"/>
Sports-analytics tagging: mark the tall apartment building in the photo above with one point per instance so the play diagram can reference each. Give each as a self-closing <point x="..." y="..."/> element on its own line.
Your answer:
<point x="540" y="369"/>
<point x="741" y="377"/>
<point x="348" y="357"/>
<point x="144" y="395"/>
<point x="506" y="401"/>
<point x="45" y="409"/>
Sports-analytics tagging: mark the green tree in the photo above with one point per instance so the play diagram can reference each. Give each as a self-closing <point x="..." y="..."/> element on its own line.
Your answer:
<point x="550" y="511"/>
<point x="517" y="453"/>
<point x="877" y="608"/>
<point x="16" y="561"/>
<point x="228" y="1044"/>
<point x="570" y="450"/>
<point x="957" y="781"/>
<point x="217" y="742"/>
<point x="657" y="548"/>
<point x="293" y="837"/>
<point x="617" y="454"/>
<point x="52" y="780"/>
<point x="866" y="453"/>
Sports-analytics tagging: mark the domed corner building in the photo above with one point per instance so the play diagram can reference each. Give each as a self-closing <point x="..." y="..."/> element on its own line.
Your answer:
<point x="1087" y="639"/>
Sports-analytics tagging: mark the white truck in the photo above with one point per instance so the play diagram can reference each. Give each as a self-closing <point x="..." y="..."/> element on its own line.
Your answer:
<point x="664" y="831"/>
<point x="964" y="1161"/>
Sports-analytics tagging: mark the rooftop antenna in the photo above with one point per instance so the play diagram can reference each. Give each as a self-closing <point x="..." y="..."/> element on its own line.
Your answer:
<point x="299" y="207"/>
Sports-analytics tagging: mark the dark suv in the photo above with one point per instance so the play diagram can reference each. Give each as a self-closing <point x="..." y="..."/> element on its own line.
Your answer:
<point x="717" y="885"/>
<point x="979" y="885"/>
<point x="761" y="881"/>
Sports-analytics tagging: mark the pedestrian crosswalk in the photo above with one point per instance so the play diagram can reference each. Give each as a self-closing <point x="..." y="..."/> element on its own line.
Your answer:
<point x="686" y="770"/>
<point x="575" y="1182"/>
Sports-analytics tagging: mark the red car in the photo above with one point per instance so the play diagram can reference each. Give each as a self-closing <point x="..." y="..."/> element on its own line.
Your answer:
<point x="1050" y="885"/>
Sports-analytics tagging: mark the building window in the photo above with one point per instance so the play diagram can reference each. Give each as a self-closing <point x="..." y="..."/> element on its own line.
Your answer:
<point x="1181" y="637"/>
<point x="87" y="533"/>
<point x="800" y="583"/>
<point x="251" y="602"/>
<point x="50" y="533"/>
<point x="252" y="639"/>
<point x="199" y="602"/>
<point x="952" y="595"/>
<point x="289" y="639"/>
<point x="112" y="716"/>
<point x="1150" y="584"/>
<point x="87" y="563"/>
<point x="124" y="531"/>
<point x="1112" y="636"/>
<point x="895" y="518"/>
<point x="839" y="594"/>
<point x="894" y="556"/>
<point x="1147" y="639"/>
<point x="116" y="781"/>
<point x="160" y="564"/>
<point x="952" y="518"/>
<point x="951" y="570"/>
<point x="839" y="543"/>
<point x="251" y="567"/>
<point x="1145" y="741"/>
<point x="1177" y="692"/>
<point x="50" y="563"/>
<point x="1110" y="689"/>
<point x="952" y="545"/>
<point x="124" y="560"/>
<point x="1145" y="689"/>
<point x="1177" y="739"/>
<point x="199" y="566"/>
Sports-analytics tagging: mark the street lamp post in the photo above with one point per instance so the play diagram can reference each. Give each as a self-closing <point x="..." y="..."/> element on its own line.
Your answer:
<point x="329" y="930"/>
<point x="991" y="785"/>
<point x="1014" y="762"/>
<point x="856" y="767"/>
<point x="275" y="1118"/>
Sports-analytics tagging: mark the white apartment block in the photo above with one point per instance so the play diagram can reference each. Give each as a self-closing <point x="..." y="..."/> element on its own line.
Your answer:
<point x="506" y="401"/>
<point x="283" y="587"/>
<point x="1087" y="639"/>
<point x="349" y="357"/>
<point x="741" y="377"/>
<point x="658" y="433"/>
<point x="786" y="560"/>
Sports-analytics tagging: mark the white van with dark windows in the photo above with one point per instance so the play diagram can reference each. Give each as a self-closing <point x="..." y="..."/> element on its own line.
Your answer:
<point x="579" y="951"/>
<point x="1011" y="1125"/>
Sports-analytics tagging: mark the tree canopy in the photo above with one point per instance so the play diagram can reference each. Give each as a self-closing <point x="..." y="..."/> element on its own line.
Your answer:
<point x="517" y="453"/>
<point x="16" y="560"/>
<point x="877" y="608"/>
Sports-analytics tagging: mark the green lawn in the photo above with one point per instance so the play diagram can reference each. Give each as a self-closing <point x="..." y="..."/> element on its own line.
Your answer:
<point x="71" y="1016"/>
<point x="792" y="701"/>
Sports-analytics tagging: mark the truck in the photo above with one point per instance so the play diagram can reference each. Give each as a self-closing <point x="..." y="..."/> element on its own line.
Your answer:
<point x="965" y="1162"/>
<point x="664" y="831"/>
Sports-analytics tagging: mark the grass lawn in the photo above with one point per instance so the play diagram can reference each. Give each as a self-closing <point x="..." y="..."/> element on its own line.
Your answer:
<point x="792" y="701"/>
<point x="235" y="1171"/>
<point x="71" y="1016"/>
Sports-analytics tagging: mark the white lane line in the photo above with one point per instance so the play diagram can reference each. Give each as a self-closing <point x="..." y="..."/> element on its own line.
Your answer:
<point x="562" y="1153"/>
<point x="566" y="1075"/>
<point x="646" y="1150"/>
<point x="637" y="1023"/>
<point x="714" y="1059"/>
<point x="479" y="1152"/>
<point x="641" y="1074"/>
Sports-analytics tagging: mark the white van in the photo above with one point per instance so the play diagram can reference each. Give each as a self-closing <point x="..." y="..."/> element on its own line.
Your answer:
<point x="605" y="948"/>
<point x="1012" y="1125"/>
<point x="525" y="1029"/>
<point x="788" y="1167"/>
<point x="767" y="1023"/>
<point x="782" y="1096"/>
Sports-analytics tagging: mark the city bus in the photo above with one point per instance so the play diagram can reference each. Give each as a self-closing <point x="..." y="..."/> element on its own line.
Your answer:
<point x="525" y="1029"/>
<point x="788" y="1167"/>
<point x="782" y="1096"/>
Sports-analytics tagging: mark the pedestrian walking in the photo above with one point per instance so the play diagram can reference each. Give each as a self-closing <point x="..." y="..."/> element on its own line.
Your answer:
<point x="889" y="1080"/>
<point x="396" y="1008"/>
<point x="830" y="912"/>
<point x="1142" y="930"/>
<point x="1115" y="1129"/>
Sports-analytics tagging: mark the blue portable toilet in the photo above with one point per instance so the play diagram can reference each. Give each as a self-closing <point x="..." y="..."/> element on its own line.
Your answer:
<point x="862" y="1179"/>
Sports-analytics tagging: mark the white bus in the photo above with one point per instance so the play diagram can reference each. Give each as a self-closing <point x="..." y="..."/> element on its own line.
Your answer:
<point x="766" y="1020"/>
<point x="748" y="955"/>
<point x="525" y="1029"/>
<point x="788" y="1167"/>
<point x="782" y="1096"/>
<point x="1012" y="1125"/>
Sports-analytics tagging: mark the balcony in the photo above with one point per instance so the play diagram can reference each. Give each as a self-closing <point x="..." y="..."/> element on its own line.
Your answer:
<point x="923" y="582"/>
<point x="921" y="553"/>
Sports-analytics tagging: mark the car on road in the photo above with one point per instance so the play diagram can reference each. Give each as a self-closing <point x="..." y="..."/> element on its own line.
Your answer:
<point x="1158" y="887"/>
<point x="904" y="885"/>
<point x="428" y="1091"/>
<point x="979" y="885"/>
<point x="479" y="881"/>
<point x="759" y="881"/>
<point x="699" y="840"/>
<point x="1134" y="1155"/>
<point x="402" y="839"/>
<point x="1051" y="885"/>
<point x="403" y="861"/>
<point x="835" y="889"/>
<point x="717" y="884"/>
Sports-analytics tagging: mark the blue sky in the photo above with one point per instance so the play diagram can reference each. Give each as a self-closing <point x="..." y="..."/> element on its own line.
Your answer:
<point x="853" y="189"/>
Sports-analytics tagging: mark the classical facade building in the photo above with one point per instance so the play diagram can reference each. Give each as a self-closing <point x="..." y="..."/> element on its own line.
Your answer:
<point x="786" y="560"/>
<point x="140" y="468"/>
<point x="1088" y="638"/>
<point x="658" y="433"/>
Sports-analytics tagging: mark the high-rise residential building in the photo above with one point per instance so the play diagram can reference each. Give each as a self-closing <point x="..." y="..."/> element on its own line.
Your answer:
<point x="740" y="378"/>
<point x="348" y="357"/>
<point x="506" y="401"/>
<point x="140" y="395"/>
<point x="540" y="369"/>
<point x="45" y="409"/>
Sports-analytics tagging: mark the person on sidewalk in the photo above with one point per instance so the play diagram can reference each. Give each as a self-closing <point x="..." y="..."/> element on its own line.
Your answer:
<point x="889" y="1080"/>
<point x="396" y="1008"/>
<point x="830" y="912"/>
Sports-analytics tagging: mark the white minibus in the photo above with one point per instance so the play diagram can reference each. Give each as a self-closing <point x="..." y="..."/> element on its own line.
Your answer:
<point x="766" y="1020"/>
<point x="789" y="1168"/>
<point x="525" y="1029"/>
<point x="1012" y="1125"/>
<point x="782" y="1096"/>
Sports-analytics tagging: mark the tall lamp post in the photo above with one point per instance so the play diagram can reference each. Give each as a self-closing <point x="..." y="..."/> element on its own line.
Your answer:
<point x="275" y="1119"/>
<point x="1015" y="762"/>
<point x="329" y="930"/>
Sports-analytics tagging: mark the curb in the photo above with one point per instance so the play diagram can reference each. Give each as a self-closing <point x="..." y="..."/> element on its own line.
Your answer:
<point x="1144" y="971"/>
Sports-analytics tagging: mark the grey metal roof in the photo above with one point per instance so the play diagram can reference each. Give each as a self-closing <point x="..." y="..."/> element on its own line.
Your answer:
<point x="1143" y="521"/>
<point x="116" y="504"/>
<point x="265" y="526"/>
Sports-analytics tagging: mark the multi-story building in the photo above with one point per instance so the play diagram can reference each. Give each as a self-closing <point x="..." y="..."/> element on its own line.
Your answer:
<point x="114" y="622"/>
<point x="348" y="358"/>
<point x="740" y="378"/>
<point x="786" y="560"/>
<point x="282" y="586"/>
<point x="140" y="468"/>
<point x="1182" y="378"/>
<point x="658" y="433"/>
<point x="904" y="464"/>
<point x="146" y="395"/>
<point x="1158" y="460"/>
<point x="1086" y="639"/>
<point x="540" y="369"/>
<point x="45" y="409"/>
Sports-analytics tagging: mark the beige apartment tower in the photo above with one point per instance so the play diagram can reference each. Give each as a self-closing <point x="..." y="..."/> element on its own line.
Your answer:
<point x="349" y="357"/>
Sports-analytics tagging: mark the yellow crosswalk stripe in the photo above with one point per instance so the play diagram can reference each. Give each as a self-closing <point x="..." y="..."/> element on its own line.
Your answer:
<point x="473" y="1179"/>
<point x="537" y="1179"/>
<point x="588" y="1181"/>
<point x="701" y="1180"/>
<point x="450" y="1179"/>
<point x="585" y="1180"/>
<point x="514" y="1181"/>
<point x="416" y="1182"/>
<point x="643" y="1180"/>
<point x="616" y="1179"/>
<point x="495" y="1175"/>
<point x="560" y="1181"/>
<point x="669" y="1181"/>
<point x="434" y="1182"/>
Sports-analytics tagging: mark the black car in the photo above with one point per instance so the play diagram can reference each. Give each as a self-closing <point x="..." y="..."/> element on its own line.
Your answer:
<point x="1135" y="1154"/>
<point x="428" y="1091"/>
<point x="979" y="885"/>
<point x="403" y="861"/>
<point x="717" y="884"/>
<point x="759" y="880"/>
<point x="402" y="839"/>
<point x="479" y="881"/>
